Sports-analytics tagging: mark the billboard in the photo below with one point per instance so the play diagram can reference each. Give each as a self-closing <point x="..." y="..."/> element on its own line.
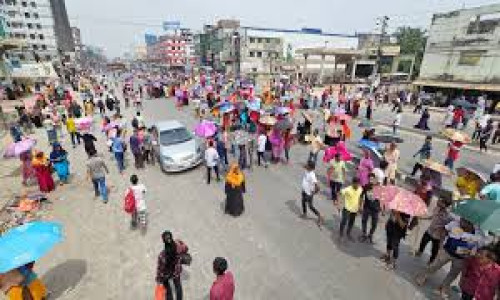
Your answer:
<point x="171" y="25"/>
<point x="150" y="39"/>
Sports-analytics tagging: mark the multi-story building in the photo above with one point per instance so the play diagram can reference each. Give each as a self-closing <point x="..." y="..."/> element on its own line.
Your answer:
<point x="33" y="23"/>
<point x="463" y="52"/>
<point x="62" y="29"/>
<point x="77" y="42"/>
<point x="174" y="50"/>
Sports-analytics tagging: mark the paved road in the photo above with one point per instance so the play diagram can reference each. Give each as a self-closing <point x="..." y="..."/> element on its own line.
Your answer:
<point x="273" y="253"/>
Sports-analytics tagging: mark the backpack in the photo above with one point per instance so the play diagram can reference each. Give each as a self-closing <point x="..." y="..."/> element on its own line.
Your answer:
<point x="129" y="202"/>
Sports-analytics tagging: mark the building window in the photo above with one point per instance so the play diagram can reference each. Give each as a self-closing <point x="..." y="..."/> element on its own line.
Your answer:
<point x="484" y="24"/>
<point x="44" y="47"/>
<point x="32" y="36"/>
<point x="470" y="58"/>
<point x="252" y="40"/>
<point x="268" y="41"/>
<point x="33" y="4"/>
<point x="35" y="15"/>
<point x="30" y="26"/>
<point x="259" y="54"/>
<point x="41" y="36"/>
<point x="27" y="15"/>
<point x="21" y="56"/>
<point x="259" y="40"/>
<point x="252" y="54"/>
<point x="47" y="57"/>
<point x="254" y="70"/>
<point x="35" y="47"/>
<point x="39" y="26"/>
<point x="24" y="4"/>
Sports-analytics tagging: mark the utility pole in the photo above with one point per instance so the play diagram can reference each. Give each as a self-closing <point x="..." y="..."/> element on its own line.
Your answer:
<point x="382" y="21"/>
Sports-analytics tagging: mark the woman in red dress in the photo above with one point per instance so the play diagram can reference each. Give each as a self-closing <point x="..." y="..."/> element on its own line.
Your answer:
<point x="43" y="172"/>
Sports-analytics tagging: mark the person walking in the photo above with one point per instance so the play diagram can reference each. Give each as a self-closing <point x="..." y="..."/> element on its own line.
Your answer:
<point x="222" y="152"/>
<point x="137" y="151"/>
<point x="397" y="121"/>
<point x="59" y="159"/>
<point x="423" y="122"/>
<point x="423" y="154"/>
<point x="169" y="267"/>
<point x="371" y="209"/>
<point x="351" y="197"/>
<point x="316" y="146"/>
<point x="365" y="168"/>
<point x="452" y="154"/>
<point x="395" y="230"/>
<point x="391" y="156"/>
<point x="43" y="168"/>
<point x="261" y="149"/>
<point x="71" y="127"/>
<point x="212" y="161"/>
<point x="88" y="143"/>
<point x="96" y="172"/>
<point x="118" y="148"/>
<point x="336" y="174"/>
<point x="485" y="135"/>
<point x="139" y="216"/>
<point x="481" y="275"/>
<point x="436" y="231"/>
<point x="234" y="189"/>
<point x="309" y="188"/>
<point x="223" y="286"/>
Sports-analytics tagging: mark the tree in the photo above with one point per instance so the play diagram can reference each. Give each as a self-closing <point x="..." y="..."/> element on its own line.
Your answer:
<point x="412" y="42"/>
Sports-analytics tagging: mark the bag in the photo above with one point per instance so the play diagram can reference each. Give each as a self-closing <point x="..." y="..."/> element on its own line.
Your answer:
<point x="160" y="292"/>
<point x="186" y="259"/>
<point x="129" y="202"/>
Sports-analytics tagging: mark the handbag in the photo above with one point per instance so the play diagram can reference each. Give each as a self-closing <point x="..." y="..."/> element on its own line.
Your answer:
<point x="186" y="259"/>
<point x="160" y="292"/>
<point x="129" y="202"/>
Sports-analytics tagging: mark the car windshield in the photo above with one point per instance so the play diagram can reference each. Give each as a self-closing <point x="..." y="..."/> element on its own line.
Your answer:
<point x="174" y="136"/>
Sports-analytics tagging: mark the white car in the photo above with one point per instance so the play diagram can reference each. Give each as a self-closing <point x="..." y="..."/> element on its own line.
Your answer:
<point x="177" y="149"/>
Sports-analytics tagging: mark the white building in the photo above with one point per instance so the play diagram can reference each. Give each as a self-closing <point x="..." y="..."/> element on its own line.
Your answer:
<point x="30" y="22"/>
<point x="463" y="50"/>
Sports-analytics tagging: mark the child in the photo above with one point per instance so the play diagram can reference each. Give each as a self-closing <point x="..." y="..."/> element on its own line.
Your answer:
<point x="139" y="216"/>
<point x="453" y="153"/>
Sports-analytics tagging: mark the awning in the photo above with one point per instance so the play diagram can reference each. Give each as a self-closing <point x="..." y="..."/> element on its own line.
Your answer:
<point x="488" y="87"/>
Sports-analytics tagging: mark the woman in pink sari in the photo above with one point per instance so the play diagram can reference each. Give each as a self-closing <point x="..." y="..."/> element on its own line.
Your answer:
<point x="277" y="144"/>
<point x="365" y="168"/>
<point x="43" y="172"/>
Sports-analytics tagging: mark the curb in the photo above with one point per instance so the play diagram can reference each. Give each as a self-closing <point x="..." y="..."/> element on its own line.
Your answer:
<point x="436" y="136"/>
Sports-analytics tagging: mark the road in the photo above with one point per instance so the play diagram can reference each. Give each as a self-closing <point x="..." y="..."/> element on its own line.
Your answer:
<point x="273" y="253"/>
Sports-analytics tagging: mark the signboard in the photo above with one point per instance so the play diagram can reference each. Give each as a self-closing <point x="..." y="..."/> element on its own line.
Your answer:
<point x="150" y="39"/>
<point x="171" y="25"/>
<point x="34" y="70"/>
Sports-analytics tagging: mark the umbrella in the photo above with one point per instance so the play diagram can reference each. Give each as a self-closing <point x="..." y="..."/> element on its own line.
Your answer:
<point x="385" y="193"/>
<point x="409" y="203"/>
<point x="267" y="120"/>
<point x="15" y="149"/>
<point x="463" y="103"/>
<point x="364" y="143"/>
<point x="284" y="124"/>
<point x="455" y="135"/>
<point x="478" y="176"/>
<point x="484" y="213"/>
<point x="340" y="149"/>
<point x="27" y="243"/>
<point x="342" y="117"/>
<point x="433" y="165"/>
<point x="205" y="129"/>
<point x="84" y="123"/>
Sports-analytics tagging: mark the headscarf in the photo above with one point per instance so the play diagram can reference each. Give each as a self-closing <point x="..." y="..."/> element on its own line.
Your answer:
<point x="170" y="249"/>
<point x="57" y="152"/>
<point x="40" y="159"/>
<point x="235" y="177"/>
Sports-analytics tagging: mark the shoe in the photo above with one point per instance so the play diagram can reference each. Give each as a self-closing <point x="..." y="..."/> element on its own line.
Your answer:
<point x="370" y="239"/>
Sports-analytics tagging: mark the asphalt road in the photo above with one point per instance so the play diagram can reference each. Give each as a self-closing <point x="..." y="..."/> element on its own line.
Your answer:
<point x="272" y="252"/>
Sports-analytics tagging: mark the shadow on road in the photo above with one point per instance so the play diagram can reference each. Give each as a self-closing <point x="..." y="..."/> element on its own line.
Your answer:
<point x="64" y="277"/>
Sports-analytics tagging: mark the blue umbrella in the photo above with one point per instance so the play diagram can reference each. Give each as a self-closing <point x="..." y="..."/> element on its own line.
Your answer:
<point x="27" y="243"/>
<point x="364" y="143"/>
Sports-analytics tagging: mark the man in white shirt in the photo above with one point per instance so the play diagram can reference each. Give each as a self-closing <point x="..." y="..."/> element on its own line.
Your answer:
<point x="140" y="214"/>
<point x="261" y="149"/>
<point x="309" y="188"/>
<point x="212" y="161"/>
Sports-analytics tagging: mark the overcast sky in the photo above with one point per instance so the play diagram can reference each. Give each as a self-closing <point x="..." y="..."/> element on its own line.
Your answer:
<point x="118" y="25"/>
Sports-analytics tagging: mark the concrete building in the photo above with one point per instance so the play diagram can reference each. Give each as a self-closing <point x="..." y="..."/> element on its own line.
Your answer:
<point x="30" y="23"/>
<point x="175" y="49"/>
<point x="62" y="29"/>
<point x="463" y="52"/>
<point x="77" y="42"/>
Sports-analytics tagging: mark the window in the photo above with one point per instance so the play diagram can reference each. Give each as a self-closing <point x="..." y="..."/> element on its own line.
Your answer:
<point x="252" y="40"/>
<point x="252" y="54"/>
<point x="35" y="15"/>
<point x="32" y="36"/>
<point x="38" y="26"/>
<point x="41" y="36"/>
<point x="35" y="47"/>
<point x="254" y="70"/>
<point x="44" y="47"/>
<point x="268" y="41"/>
<point x="27" y="15"/>
<point x="47" y="57"/>
<point x="484" y="24"/>
<point x="30" y="26"/>
<point x="259" y="54"/>
<point x="470" y="58"/>
<point x="259" y="40"/>
<point x="33" y="4"/>
<point x="24" y="4"/>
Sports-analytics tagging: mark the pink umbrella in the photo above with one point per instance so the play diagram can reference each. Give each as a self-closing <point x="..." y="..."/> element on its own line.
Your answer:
<point x="84" y="123"/>
<point x="341" y="149"/>
<point x="205" y="129"/>
<point x="385" y="193"/>
<point x="409" y="203"/>
<point x="16" y="149"/>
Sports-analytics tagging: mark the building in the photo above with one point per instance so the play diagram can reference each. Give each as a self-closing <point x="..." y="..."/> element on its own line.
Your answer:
<point x="62" y="29"/>
<point x="42" y="27"/>
<point x="77" y="42"/>
<point x="175" y="49"/>
<point x="463" y="53"/>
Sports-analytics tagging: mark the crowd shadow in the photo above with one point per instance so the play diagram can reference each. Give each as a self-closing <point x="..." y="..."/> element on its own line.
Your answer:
<point x="64" y="277"/>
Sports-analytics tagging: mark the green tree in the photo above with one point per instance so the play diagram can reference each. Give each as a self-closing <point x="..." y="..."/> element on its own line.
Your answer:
<point x="412" y="42"/>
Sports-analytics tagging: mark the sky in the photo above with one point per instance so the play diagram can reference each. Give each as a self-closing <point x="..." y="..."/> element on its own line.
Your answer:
<point x="119" y="25"/>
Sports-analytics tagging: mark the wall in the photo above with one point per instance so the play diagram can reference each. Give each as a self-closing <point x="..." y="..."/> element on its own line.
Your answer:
<point x="455" y="50"/>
